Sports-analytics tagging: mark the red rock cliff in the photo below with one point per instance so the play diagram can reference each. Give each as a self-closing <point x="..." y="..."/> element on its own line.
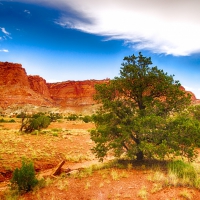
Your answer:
<point x="74" y="93"/>
<point x="39" y="85"/>
<point x="15" y="88"/>
<point x="12" y="74"/>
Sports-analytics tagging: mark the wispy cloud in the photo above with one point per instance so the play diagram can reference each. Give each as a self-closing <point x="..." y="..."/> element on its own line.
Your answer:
<point x="6" y="34"/>
<point x="4" y="31"/>
<point x="27" y="11"/>
<point x="4" y="50"/>
<point x="169" y="27"/>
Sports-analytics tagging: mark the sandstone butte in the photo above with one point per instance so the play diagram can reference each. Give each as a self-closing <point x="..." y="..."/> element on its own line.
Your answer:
<point x="19" y="89"/>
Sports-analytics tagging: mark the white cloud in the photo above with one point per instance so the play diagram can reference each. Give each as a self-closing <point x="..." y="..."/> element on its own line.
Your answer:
<point x="4" y="31"/>
<point x="27" y="11"/>
<point x="4" y="50"/>
<point x="7" y="34"/>
<point x="169" y="27"/>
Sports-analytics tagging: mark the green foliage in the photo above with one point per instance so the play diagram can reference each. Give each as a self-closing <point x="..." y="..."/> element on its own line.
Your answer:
<point x="72" y="117"/>
<point x="36" y="122"/>
<point x="24" y="179"/>
<point x="87" y="118"/>
<point x="7" y="121"/>
<point x="2" y="120"/>
<point x="55" y="116"/>
<point x="194" y="111"/>
<point x="183" y="170"/>
<point x="139" y="114"/>
<point x="12" y="121"/>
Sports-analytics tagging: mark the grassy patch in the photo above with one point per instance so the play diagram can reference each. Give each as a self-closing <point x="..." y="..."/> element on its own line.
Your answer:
<point x="142" y="193"/>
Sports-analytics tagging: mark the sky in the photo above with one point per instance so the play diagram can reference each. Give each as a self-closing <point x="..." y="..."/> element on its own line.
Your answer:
<point x="87" y="39"/>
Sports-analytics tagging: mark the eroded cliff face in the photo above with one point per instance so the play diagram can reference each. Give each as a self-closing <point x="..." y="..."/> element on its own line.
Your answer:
<point x="74" y="93"/>
<point x="16" y="88"/>
<point x="39" y="85"/>
<point x="13" y="74"/>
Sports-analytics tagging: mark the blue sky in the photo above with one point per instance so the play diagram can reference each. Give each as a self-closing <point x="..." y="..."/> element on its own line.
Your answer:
<point x="86" y="39"/>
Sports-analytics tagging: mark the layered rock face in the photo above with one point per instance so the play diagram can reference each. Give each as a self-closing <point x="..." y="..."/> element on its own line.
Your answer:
<point x="16" y="88"/>
<point x="13" y="74"/>
<point x="74" y="93"/>
<point x="39" y="85"/>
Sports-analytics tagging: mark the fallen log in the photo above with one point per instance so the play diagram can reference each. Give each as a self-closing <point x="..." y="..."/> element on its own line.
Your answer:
<point x="57" y="170"/>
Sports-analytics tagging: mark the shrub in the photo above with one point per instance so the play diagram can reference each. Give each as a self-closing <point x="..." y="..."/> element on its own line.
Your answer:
<point x="72" y="117"/>
<point x="24" y="179"/>
<point x="55" y="116"/>
<point x="87" y="118"/>
<point x="2" y="120"/>
<point x="36" y="122"/>
<point x="7" y="121"/>
<point x="12" y="121"/>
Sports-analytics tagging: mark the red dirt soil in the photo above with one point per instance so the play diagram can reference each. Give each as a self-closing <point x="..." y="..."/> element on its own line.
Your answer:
<point x="72" y="140"/>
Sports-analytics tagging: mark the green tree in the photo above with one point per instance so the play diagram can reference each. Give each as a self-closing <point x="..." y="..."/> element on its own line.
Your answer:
<point x="35" y="122"/>
<point x="136" y="113"/>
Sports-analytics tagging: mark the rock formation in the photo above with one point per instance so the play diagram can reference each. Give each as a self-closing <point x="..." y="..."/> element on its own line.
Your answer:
<point x="16" y="88"/>
<point x="13" y="74"/>
<point x="39" y="85"/>
<point x="73" y="93"/>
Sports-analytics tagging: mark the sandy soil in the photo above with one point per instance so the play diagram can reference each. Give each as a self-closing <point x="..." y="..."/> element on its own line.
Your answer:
<point x="70" y="141"/>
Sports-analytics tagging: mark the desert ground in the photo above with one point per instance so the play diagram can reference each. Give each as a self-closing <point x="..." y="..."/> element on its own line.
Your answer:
<point x="82" y="176"/>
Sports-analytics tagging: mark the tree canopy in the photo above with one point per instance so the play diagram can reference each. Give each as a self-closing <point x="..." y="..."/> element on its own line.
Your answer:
<point x="142" y="114"/>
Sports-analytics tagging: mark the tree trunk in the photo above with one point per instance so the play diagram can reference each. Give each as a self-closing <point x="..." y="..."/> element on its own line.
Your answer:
<point x="140" y="156"/>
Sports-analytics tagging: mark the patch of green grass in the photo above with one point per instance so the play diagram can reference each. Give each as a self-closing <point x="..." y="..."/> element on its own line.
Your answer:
<point x="55" y="134"/>
<point x="184" y="171"/>
<point x="178" y="173"/>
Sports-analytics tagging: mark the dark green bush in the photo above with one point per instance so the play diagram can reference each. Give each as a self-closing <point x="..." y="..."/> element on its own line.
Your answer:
<point x="2" y="120"/>
<point x="24" y="179"/>
<point x="12" y="121"/>
<point x="36" y="122"/>
<point x="55" y="116"/>
<point x="87" y="118"/>
<point x="72" y="117"/>
<point x="6" y="121"/>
